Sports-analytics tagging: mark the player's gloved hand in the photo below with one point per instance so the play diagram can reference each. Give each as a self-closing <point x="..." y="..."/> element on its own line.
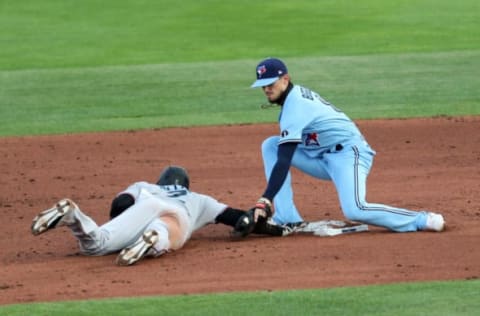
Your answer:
<point x="244" y="225"/>
<point x="263" y="208"/>
<point x="256" y="216"/>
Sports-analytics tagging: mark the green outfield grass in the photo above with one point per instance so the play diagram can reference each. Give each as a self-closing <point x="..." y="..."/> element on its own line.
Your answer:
<point x="68" y="33"/>
<point x="78" y="66"/>
<point x="437" y="298"/>
<point x="69" y="67"/>
<point x="67" y="100"/>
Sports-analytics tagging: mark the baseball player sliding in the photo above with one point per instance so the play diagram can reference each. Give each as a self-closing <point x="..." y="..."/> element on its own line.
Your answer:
<point x="320" y="140"/>
<point x="146" y="219"/>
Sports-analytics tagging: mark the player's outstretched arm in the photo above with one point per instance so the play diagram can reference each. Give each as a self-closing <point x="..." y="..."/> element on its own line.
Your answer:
<point x="243" y="223"/>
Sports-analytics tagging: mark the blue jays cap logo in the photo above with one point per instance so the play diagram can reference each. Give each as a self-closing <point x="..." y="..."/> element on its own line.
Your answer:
<point x="261" y="70"/>
<point x="269" y="71"/>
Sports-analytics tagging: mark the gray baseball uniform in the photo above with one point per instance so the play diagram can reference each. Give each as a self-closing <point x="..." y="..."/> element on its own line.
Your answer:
<point x="192" y="210"/>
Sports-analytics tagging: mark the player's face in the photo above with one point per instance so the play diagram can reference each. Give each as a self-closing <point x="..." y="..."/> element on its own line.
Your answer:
<point x="275" y="90"/>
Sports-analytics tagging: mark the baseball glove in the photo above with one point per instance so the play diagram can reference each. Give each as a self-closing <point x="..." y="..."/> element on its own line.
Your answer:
<point x="244" y="225"/>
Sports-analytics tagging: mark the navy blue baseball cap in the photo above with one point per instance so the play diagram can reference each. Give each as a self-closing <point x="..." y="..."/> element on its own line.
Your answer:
<point x="268" y="71"/>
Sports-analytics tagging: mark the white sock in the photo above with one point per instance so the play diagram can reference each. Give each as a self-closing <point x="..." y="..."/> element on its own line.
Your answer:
<point x="163" y="243"/>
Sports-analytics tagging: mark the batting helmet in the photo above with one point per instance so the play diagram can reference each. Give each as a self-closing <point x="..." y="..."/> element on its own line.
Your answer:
<point x="174" y="175"/>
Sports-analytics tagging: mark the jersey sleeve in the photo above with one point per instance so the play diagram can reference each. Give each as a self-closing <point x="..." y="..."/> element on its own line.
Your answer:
<point x="135" y="189"/>
<point x="212" y="206"/>
<point x="203" y="209"/>
<point x="292" y="120"/>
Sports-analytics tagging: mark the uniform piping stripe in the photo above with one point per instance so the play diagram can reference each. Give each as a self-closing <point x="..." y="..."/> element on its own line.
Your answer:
<point x="294" y="140"/>
<point x="357" y="195"/>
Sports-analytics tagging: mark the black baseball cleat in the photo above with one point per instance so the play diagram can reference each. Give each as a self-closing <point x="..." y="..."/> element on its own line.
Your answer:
<point x="50" y="218"/>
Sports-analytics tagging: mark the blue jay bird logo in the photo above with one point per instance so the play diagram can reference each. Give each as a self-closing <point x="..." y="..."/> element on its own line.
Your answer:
<point x="311" y="139"/>
<point x="261" y="70"/>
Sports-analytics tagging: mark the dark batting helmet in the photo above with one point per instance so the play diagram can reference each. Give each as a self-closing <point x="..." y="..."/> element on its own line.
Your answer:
<point x="174" y="175"/>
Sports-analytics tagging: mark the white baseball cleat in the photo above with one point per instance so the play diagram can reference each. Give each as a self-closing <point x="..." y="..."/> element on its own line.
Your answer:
<point x="50" y="218"/>
<point x="435" y="222"/>
<point x="139" y="249"/>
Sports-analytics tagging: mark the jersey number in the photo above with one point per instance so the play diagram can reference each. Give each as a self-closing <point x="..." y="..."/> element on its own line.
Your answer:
<point x="174" y="191"/>
<point x="310" y="95"/>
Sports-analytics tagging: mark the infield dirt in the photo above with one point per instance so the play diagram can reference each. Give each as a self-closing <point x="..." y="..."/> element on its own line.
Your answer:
<point x="421" y="164"/>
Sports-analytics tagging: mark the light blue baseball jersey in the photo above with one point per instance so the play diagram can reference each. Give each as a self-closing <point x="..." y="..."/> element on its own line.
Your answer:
<point x="318" y="127"/>
<point x="308" y="119"/>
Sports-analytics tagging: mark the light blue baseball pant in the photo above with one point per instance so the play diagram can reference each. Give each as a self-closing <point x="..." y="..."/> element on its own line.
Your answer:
<point x="348" y="169"/>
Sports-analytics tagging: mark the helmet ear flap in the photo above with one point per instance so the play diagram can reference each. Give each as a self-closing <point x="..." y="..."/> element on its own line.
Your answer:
<point x="174" y="175"/>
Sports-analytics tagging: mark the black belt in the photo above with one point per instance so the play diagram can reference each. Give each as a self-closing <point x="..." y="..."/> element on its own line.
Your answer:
<point x="337" y="148"/>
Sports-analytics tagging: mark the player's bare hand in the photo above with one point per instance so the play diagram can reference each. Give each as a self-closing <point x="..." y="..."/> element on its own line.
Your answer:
<point x="259" y="212"/>
<point x="263" y="208"/>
